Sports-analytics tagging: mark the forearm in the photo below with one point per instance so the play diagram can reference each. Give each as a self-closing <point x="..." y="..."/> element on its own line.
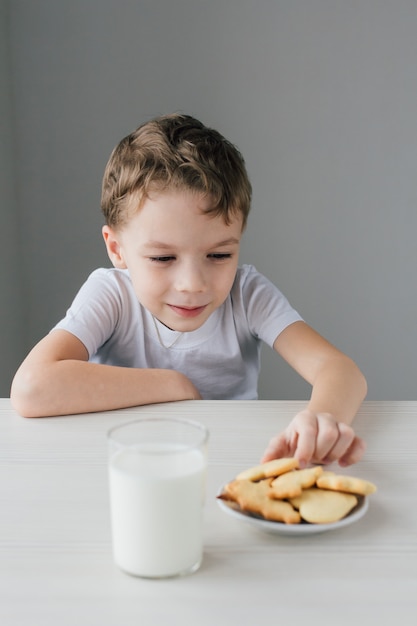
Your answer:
<point x="72" y="386"/>
<point x="339" y="388"/>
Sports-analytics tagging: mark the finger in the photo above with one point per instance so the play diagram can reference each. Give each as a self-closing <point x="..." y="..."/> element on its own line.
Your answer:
<point x="278" y="447"/>
<point x="328" y="435"/>
<point x="344" y="441"/>
<point x="354" y="453"/>
<point x="306" y="442"/>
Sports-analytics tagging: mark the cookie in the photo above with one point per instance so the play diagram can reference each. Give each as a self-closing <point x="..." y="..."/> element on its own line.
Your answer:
<point x="322" y="506"/>
<point x="226" y="493"/>
<point x="270" y="469"/>
<point x="291" y="484"/>
<point x="253" y="497"/>
<point x="347" y="484"/>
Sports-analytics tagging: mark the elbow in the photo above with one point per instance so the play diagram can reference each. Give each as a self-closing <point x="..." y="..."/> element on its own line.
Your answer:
<point x="26" y="394"/>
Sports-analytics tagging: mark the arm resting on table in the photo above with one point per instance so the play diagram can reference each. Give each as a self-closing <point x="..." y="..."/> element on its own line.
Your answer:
<point x="57" y="379"/>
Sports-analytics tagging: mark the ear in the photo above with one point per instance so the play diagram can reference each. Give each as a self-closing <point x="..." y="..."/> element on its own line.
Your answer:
<point x="114" y="250"/>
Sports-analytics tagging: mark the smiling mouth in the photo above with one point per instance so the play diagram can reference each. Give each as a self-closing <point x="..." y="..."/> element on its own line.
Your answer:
<point x="185" y="311"/>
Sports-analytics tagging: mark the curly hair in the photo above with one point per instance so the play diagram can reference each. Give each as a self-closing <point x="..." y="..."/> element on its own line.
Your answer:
<point x="175" y="152"/>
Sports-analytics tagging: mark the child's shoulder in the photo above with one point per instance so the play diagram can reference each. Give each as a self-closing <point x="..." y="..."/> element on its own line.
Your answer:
<point x="108" y="280"/>
<point x="247" y="282"/>
<point x="247" y="276"/>
<point x="246" y="271"/>
<point x="109" y="274"/>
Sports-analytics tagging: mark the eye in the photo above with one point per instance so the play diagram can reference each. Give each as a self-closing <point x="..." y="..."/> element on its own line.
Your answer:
<point x="219" y="256"/>
<point x="161" y="259"/>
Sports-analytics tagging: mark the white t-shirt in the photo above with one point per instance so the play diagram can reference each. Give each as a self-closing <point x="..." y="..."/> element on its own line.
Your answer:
<point x="221" y="357"/>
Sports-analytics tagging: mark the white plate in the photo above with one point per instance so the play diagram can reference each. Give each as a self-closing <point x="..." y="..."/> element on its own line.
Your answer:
<point x="304" y="528"/>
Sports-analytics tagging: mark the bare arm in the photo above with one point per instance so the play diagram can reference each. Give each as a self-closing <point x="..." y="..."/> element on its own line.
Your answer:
<point x="57" y="379"/>
<point x="322" y="431"/>
<point x="338" y="385"/>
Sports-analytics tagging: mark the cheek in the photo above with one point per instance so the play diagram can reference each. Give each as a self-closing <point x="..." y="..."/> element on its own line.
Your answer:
<point x="148" y="284"/>
<point x="224" y="281"/>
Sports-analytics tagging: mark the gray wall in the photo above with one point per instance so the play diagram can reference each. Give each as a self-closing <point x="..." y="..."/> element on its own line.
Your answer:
<point x="12" y="305"/>
<point x="319" y="95"/>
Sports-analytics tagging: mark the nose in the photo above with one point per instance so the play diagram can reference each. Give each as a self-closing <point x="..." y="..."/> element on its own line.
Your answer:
<point x="190" y="278"/>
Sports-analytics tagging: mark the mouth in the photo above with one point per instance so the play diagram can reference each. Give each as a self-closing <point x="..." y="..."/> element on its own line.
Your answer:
<point x="187" y="311"/>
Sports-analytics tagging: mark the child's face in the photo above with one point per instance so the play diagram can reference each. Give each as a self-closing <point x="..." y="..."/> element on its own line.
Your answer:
<point x="182" y="262"/>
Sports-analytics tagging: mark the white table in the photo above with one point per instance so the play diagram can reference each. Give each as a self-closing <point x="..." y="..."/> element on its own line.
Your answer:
<point x="56" y="563"/>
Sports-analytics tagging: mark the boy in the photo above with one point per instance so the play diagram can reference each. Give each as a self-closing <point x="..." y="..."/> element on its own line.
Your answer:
<point x="176" y="318"/>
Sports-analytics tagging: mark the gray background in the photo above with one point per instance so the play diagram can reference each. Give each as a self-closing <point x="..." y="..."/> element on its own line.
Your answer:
<point x="319" y="95"/>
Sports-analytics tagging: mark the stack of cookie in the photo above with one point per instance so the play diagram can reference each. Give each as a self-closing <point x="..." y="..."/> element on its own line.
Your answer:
<point x="280" y="491"/>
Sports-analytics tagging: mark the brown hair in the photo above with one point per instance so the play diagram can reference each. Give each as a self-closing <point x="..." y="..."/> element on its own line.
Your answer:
<point x="175" y="152"/>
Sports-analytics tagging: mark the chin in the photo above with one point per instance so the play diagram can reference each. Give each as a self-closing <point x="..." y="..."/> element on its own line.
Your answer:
<point x="187" y="326"/>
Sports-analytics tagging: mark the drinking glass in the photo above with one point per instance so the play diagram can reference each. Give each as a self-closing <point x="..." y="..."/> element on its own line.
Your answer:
<point x="157" y="472"/>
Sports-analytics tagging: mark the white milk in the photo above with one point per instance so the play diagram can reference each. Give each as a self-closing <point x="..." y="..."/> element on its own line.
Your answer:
<point x="156" y="509"/>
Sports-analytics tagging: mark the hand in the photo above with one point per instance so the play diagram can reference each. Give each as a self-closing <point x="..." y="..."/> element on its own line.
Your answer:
<point x="316" y="438"/>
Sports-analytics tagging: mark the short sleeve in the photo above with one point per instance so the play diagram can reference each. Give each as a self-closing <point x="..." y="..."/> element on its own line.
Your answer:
<point x="268" y="311"/>
<point x="95" y="311"/>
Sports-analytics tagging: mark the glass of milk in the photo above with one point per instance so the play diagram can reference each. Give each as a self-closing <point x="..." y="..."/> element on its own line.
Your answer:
<point x="157" y="470"/>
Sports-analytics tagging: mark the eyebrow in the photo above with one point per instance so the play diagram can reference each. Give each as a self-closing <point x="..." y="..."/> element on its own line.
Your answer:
<point x="165" y="246"/>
